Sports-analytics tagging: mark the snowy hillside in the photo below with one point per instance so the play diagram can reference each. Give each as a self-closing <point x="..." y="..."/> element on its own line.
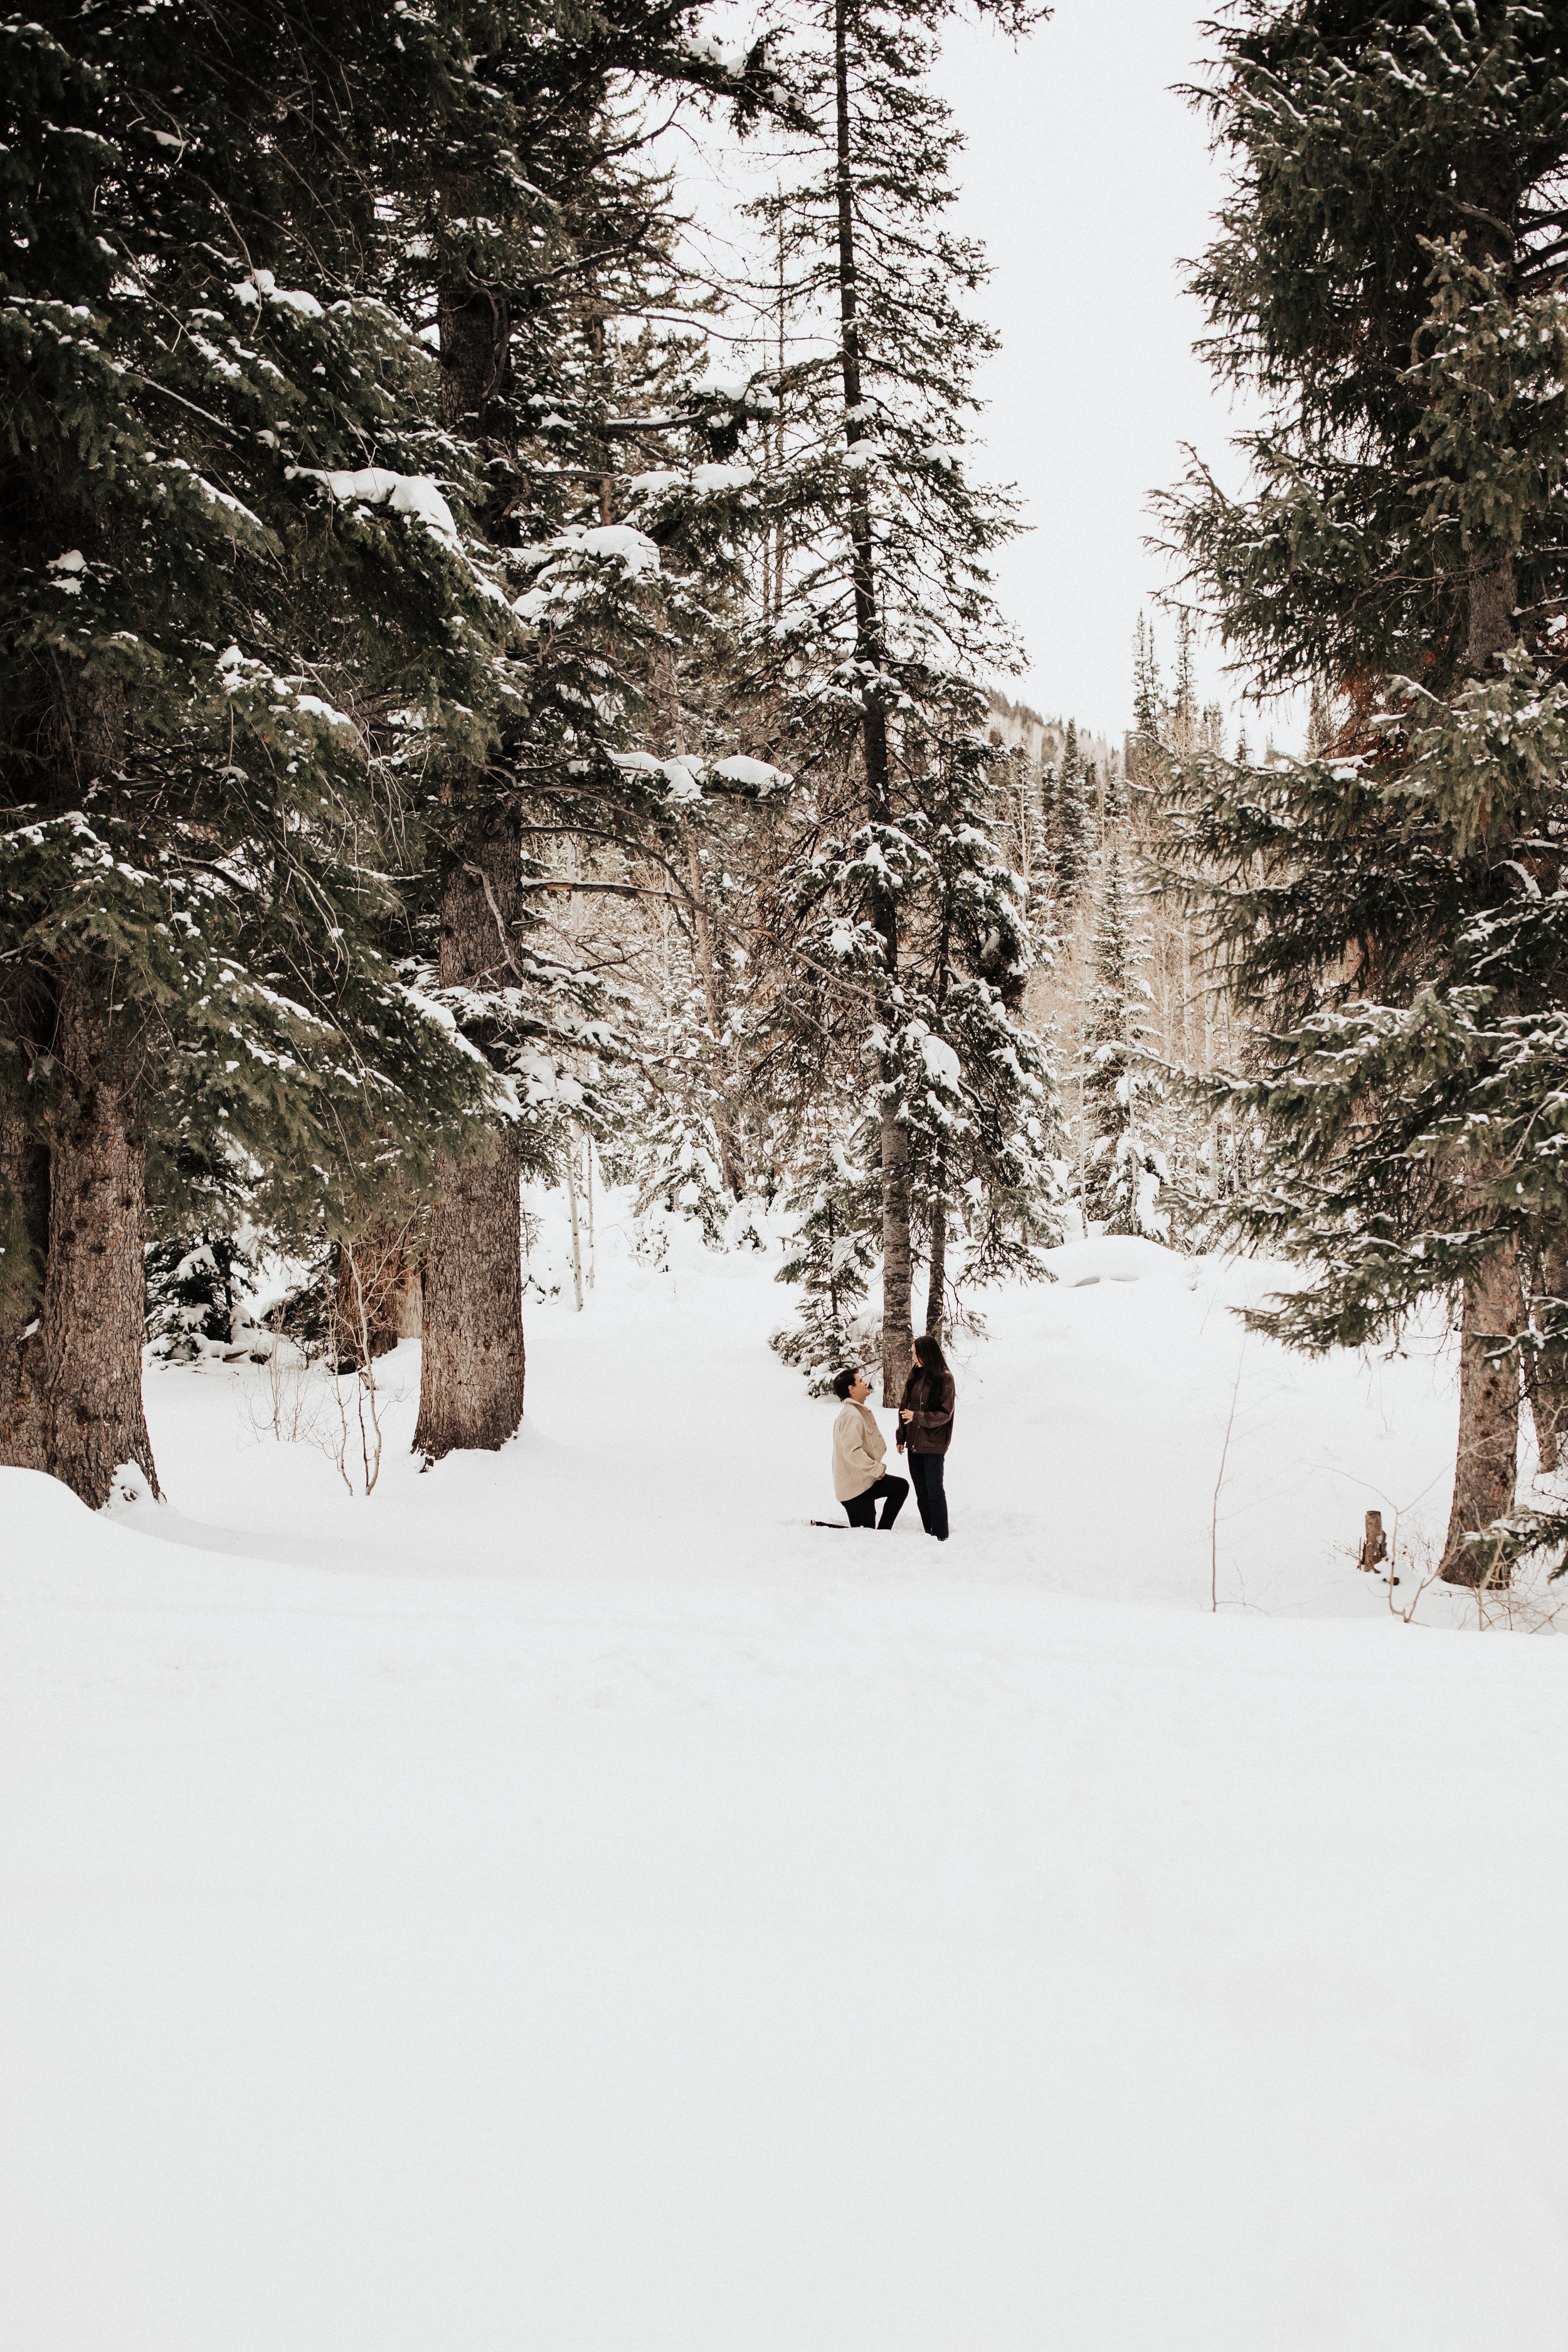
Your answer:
<point x="567" y="1900"/>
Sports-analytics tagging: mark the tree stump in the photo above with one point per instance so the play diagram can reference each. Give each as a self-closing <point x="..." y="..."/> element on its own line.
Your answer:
<point x="1373" y="1545"/>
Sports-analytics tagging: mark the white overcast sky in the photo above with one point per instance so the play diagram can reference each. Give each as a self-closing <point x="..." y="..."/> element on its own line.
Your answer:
<point x="1090" y="184"/>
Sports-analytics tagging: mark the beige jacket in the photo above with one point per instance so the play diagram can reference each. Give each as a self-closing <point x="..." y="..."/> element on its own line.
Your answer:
<point x="859" y="1454"/>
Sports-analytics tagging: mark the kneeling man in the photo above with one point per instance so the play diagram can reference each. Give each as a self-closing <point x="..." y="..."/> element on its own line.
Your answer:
<point x="860" y="1477"/>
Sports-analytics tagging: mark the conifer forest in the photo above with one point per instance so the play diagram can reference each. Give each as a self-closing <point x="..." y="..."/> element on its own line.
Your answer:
<point x="547" y="918"/>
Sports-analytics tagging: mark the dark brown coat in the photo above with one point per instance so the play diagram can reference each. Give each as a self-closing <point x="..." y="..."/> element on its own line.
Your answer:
<point x="931" y="1398"/>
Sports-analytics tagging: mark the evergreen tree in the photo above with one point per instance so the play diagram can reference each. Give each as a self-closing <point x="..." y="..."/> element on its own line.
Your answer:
<point x="1146" y="693"/>
<point x="233" y="589"/>
<point x="1034" y="851"/>
<point x="966" y="1079"/>
<point x="1072" y="818"/>
<point x="1389" y="276"/>
<point x="1126" y="1165"/>
<point x="529" y="234"/>
<point x="833" y="1258"/>
<point x="888" y="596"/>
<point x="980" y="1102"/>
<point x="195" y="1297"/>
<point x="683" y="1133"/>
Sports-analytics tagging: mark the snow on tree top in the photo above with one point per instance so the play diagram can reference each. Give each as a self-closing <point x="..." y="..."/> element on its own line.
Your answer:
<point x="741" y="770"/>
<point x="634" y="550"/>
<point x="942" y="1065"/>
<point x="373" y="486"/>
<point x="261" y="287"/>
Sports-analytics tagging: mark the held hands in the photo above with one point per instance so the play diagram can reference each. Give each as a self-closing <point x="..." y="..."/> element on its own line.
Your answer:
<point x="905" y="1414"/>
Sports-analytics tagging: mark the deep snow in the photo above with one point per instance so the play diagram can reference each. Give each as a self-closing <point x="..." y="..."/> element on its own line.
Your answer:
<point x="566" y="1900"/>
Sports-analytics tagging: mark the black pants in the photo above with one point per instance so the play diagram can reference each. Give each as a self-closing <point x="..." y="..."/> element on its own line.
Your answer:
<point x="930" y="1495"/>
<point x="890" y="1492"/>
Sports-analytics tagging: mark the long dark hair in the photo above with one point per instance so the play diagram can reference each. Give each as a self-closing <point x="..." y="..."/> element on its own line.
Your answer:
<point x="928" y="1353"/>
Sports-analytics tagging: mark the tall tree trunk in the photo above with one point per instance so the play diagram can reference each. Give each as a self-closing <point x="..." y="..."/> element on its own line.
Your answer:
<point x="896" y="1336"/>
<point x="25" y="1172"/>
<point x="1547" y="1383"/>
<point x="472" y="1364"/>
<point x="89" y="1366"/>
<point x="1491" y="600"/>
<point x="576" y="1221"/>
<point x="1493" y="1313"/>
<point x="1488" y="1451"/>
<point x="70" y="1375"/>
<point x="936" y="1288"/>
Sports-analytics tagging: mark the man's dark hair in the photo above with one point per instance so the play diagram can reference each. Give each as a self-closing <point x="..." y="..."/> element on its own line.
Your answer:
<point x="841" y="1385"/>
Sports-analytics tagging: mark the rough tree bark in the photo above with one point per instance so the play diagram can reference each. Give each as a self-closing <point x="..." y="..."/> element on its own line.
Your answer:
<point x="1488" y="1452"/>
<point x="88" y="1376"/>
<point x="936" y="1301"/>
<point x="24" y="1172"/>
<point x="71" y="1354"/>
<point x="897" y="1330"/>
<point x="1548" y="1383"/>
<point x="1491" y="598"/>
<point x="472" y="1366"/>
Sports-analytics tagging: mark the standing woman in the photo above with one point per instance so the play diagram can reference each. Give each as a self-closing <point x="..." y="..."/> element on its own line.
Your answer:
<point x="925" y="1427"/>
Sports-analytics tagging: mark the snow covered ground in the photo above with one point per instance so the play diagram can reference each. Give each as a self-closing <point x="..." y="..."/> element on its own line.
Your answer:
<point x="564" y="1900"/>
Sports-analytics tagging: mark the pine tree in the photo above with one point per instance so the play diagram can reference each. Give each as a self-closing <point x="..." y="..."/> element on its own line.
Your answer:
<point x="195" y="1297"/>
<point x="975" y="1098"/>
<point x="1072" y="818"/>
<point x="1125" y="1162"/>
<point x="1390" y="276"/>
<point x="1028" y="778"/>
<point x="833" y="1258"/>
<point x="979" y="1098"/>
<point x="234" y="595"/>
<point x="1147" y="699"/>
<point x="889" y="592"/>
<point x="529" y="233"/>
<point x="677" y="1151"/>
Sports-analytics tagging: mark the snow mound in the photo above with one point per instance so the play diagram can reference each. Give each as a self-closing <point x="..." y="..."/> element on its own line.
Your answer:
<point x="1117" y="1257"/>
<point x="48" y="1525"/>
<point x="39" y="1508"/>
